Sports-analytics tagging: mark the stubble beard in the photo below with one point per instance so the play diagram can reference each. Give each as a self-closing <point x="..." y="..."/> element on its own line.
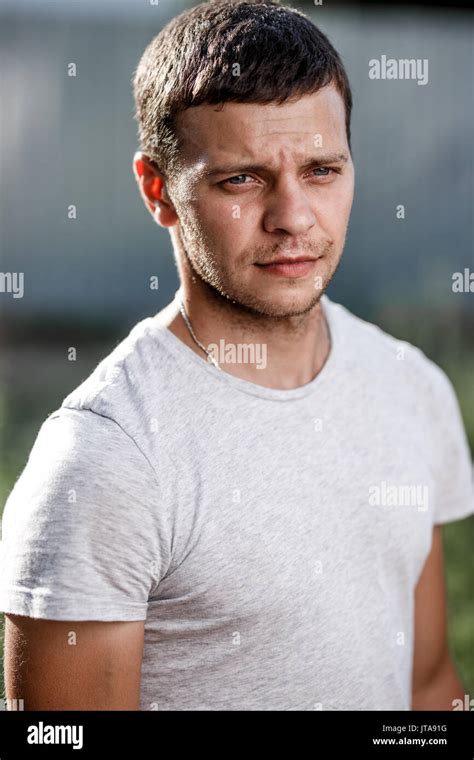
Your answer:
<point x="202" y="268"/>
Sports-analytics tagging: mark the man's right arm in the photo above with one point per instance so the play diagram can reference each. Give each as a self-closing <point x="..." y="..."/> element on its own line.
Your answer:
<point x="63" y="665"/>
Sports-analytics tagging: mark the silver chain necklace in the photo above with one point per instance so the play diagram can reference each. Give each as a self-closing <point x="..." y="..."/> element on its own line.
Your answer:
<point x="193" y="336"/>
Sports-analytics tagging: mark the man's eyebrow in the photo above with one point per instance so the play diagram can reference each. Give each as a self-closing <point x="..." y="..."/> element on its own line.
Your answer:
<point x="329" y="158"/>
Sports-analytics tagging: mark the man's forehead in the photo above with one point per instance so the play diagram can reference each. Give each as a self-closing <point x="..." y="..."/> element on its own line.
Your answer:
<point x="214" y="133"/>
<point x="324" y="102"/>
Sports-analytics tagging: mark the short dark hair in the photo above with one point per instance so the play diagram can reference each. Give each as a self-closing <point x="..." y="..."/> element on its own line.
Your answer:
<point x="280" y="52"/>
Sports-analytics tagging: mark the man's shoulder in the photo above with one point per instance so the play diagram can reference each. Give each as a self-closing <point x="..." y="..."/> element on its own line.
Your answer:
<point x="371" y="348"/>
<point x="117" y="386"/>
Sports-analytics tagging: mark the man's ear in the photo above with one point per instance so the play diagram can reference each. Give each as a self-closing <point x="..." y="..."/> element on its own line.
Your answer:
<point x="153" y="191"/>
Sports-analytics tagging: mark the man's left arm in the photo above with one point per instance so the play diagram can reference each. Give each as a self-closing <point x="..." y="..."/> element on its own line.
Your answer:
<point x="435" y="682"/>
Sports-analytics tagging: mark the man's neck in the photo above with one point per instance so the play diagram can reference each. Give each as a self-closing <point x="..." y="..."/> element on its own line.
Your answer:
<point x="275" y="353"/>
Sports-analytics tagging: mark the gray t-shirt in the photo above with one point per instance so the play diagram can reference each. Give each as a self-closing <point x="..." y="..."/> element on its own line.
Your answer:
<point x="271" y="539"/>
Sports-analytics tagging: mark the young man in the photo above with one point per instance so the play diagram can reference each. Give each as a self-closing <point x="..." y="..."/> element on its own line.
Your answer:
<point x="240" y="508"/>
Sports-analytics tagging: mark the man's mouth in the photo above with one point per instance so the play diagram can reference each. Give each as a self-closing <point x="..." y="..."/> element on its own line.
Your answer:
<point x="290" y="266"/>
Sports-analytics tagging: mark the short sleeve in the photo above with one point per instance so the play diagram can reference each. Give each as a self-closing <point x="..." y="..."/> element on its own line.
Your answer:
<point x="454" y="484"/>
<point x="83" y="537"/>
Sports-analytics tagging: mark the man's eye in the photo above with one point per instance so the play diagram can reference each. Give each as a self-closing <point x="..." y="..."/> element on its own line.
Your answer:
<point x="324" y="169"/>
<point x="237" y="177"/>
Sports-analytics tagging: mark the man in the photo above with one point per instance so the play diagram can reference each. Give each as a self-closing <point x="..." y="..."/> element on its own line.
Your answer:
<point x="240" y="508"/>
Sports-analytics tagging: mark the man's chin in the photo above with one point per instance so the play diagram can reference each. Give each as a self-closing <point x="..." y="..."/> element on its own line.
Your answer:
<point x="280" y="306"/>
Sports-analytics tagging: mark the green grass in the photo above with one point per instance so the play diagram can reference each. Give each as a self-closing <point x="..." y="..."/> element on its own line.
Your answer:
<point x="459" y="569"/>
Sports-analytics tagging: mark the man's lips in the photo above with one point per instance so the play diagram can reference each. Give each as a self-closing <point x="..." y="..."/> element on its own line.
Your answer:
<point x="290" y="266"/>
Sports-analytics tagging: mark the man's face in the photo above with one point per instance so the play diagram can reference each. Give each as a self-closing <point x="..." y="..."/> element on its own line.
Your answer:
<point x="265" y="182"/>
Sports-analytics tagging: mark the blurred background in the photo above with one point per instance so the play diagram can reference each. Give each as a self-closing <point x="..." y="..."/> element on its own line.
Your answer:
<point x="69" y="140"/>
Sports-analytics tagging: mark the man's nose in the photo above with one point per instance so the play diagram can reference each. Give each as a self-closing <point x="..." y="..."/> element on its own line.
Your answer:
<point x="289" y="210"/>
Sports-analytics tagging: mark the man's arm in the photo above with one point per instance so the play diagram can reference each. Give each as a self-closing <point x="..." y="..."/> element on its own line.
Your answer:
<point x="55" y="665"/>
<point x="435" y="681"/>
